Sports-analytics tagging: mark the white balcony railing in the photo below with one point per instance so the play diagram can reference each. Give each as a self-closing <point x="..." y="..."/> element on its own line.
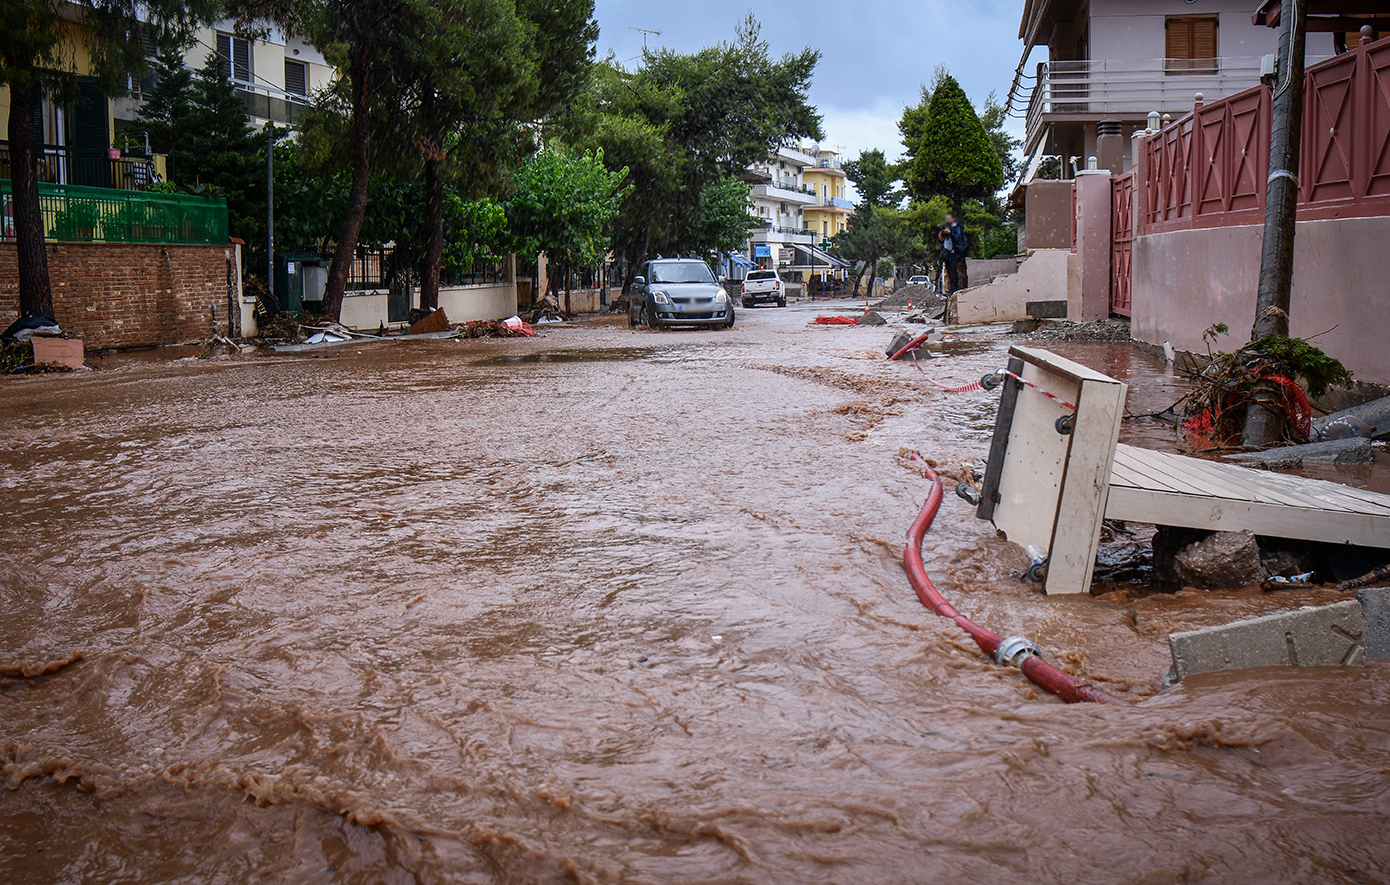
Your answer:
<point x="1130" y="88"/>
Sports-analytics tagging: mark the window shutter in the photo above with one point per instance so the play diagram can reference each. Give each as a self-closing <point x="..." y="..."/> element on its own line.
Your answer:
<point x="1179" y="38"/>
<point x="296" y="78"/>
<point x="241" y="59"/>
<point x="1204" y="39"/>
<point x="224" y="52"/>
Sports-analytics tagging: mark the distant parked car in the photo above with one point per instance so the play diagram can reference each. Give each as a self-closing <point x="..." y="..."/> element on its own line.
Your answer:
<point x="921" y="280"/>
<point x="678" y="292"/>
<point x="764" y="287"/>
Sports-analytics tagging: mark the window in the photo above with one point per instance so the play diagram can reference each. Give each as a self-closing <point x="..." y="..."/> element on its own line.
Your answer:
<point x="236" y="56"/>
<point x="1191" y="45"/>
<point x="296" y="77"/>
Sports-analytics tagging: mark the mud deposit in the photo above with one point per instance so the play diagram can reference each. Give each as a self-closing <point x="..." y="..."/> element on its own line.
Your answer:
<point x="452" y="612"/>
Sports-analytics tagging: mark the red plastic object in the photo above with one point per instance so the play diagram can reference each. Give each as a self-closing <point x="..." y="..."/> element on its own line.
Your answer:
<point x="835" y="321"/>
<point x="1039" y="671"/>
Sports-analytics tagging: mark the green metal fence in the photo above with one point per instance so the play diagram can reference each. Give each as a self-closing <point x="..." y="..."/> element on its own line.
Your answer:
<point x="74" y="214"/>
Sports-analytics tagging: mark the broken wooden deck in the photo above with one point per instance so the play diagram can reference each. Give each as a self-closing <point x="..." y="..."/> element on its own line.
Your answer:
<point x="1166" y="489"/>
<point x="1050" y="485"/>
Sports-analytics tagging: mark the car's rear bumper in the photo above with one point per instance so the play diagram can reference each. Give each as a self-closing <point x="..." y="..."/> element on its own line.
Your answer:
<point x="762" y="297"/>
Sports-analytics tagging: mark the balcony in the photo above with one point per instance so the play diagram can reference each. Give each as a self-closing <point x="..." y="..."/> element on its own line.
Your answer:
<point x="64" y="165"/>
<point x="777" y="234"/>
<point x="786" y="190"/>
<point x="1128" y="89"/>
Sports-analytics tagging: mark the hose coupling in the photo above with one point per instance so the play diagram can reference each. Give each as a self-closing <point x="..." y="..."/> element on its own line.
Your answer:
<point x="1012" y="652"/>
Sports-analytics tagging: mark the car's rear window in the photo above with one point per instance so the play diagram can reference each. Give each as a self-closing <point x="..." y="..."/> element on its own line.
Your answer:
<point x="763" y="275"/>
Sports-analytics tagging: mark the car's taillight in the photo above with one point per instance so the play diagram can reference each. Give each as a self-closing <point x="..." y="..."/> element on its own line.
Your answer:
<point x="743" y="288"/>
<point x="777" y="285"/>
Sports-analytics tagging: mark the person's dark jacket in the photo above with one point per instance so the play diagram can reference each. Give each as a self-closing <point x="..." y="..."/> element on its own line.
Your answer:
<point x="960" y="243"/>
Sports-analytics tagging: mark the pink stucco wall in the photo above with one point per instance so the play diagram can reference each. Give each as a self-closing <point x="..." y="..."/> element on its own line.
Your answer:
<point x="1187" y="281"/>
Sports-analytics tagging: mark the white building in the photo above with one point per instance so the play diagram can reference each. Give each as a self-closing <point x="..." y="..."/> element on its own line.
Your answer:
<point x="1112" y="62"/>
<point x="276" y="76"/>
<point x="792" y="190"/>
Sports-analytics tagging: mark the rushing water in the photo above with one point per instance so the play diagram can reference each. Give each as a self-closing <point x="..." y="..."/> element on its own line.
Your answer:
<point x="607" y="606"/>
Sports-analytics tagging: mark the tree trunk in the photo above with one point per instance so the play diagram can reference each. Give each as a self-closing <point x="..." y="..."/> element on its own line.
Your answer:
<point x="643" y="240"/>
<point x="434" y="235"/>
<point x="569" y="289"/>
<point x="358" y="70"/>
<point x="35" y="291"/>
<point x="1262" y="424"/>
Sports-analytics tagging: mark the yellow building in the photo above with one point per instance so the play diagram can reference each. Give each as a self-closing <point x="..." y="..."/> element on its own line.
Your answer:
<point x="830" y="213"/>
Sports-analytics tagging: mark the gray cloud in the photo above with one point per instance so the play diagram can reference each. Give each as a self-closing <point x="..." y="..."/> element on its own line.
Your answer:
<point x="876" y="54"/>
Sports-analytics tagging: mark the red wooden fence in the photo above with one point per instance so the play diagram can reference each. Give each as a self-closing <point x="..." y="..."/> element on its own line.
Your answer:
<point x="1211" y="168"/>
<point x="1121" y="243"/>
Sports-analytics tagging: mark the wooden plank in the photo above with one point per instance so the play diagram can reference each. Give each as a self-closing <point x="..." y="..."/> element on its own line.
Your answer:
<point x="1222" y="515"/>
<point x="1248" y="485"/>
<point x="1220" y="479"/>
<point x="1100" y="408"/>
<point x="999" y="443"/>
<point x="1030" y="483"/>
<point x="1059" y="366"/>
<point x="1148" y="475"/>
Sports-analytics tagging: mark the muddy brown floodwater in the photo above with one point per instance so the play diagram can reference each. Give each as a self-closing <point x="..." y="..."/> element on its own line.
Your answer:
<point x="606" y="606"/>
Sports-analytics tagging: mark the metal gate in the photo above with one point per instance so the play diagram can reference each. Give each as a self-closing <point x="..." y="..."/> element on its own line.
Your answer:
<point x="1122" y="244"/>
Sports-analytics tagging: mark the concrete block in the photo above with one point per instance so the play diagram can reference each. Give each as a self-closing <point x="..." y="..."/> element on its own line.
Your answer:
<point x="58" y="352"/>
<point x="1353" y="450"/>
<point x="1047" y="310"/>
<point x="1324" y="636"/>
<point x="1375" y="621"/>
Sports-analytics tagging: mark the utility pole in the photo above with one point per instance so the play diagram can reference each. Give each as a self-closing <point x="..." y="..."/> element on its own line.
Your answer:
<point x="1281" y="210"/>
<point x="270" y="209"/>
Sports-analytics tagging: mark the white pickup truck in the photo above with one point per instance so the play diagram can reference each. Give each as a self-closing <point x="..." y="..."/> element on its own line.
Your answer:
<point x="764" y="287"/>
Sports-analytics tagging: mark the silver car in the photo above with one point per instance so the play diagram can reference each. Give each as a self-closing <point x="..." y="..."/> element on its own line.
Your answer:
<point x="678" y="292"/>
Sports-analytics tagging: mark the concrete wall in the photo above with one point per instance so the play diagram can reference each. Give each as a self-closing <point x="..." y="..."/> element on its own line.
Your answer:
<point x="365" y="310"/>
<point x="1041" y="277"/>
<point x="1187" y="281"/>
<point x="1048" y="208"/>
<point x="132" y="295"/>
<point x="465" y="304"/>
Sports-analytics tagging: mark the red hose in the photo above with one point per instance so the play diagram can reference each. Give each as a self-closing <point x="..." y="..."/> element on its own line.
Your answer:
<point x="1042" y="674"/>
<point x="911" y="345"/>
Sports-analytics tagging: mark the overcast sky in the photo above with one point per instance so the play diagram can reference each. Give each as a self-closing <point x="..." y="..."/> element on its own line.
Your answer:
<point x="875" y="54"/>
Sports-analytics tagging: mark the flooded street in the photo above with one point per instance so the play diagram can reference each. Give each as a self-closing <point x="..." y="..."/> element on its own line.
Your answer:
<point x="609" y="606"/>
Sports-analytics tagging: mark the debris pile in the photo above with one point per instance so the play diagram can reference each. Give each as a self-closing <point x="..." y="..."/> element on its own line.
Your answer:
<point x="922" y="298"/>
<point x="1101" y="330"/>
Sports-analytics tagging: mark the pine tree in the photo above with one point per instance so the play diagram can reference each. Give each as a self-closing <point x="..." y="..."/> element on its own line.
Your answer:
<point x="949" y="151"/>
<point x="164" y="115"/>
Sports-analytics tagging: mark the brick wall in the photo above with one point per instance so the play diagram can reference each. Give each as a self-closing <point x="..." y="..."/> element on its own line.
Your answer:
<point x="130" y="295"/>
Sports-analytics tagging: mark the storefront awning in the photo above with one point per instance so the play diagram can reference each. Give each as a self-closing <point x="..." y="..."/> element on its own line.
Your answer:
<point x="741" y="261"/>
<point x="813" y="258"/>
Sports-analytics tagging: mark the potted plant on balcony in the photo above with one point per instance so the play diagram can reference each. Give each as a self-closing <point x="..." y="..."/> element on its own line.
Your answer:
<point x="118" y="144"/>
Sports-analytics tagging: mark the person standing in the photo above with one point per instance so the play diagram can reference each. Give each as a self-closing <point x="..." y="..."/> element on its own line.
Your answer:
<point x="955" y="257"/>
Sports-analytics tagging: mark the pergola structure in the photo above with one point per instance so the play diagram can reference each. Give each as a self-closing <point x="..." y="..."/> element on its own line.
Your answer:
<point x="1332" y="16"/>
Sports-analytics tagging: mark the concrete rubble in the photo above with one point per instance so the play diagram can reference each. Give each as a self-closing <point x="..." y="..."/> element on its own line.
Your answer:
<point x="1195" y="559"/>
<point x="1375" y="622"/>
<point x="1323" y="636"/>
<point x="1353" y="450"/>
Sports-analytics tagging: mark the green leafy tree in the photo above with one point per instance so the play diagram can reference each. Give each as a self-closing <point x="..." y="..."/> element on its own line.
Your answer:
<point x="875" y="179"/>
<point x="473" y="91"/>
<point x="871" y="235"/>
<point x="685" y="123"/>
<point x="949" y="151"/>
<point x="203" y="125"/>
<point x="564" y="206"/>
<point x="994" y="118"/>
<point x="38" y="59"/>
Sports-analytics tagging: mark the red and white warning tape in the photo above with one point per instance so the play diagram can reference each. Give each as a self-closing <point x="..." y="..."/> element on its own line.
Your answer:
<point x="979" y="385"/>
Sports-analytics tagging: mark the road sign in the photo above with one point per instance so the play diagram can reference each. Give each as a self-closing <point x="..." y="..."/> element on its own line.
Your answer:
<point x="786" y="256"/>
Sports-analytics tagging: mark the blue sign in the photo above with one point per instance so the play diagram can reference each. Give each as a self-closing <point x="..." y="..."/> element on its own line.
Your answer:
<point x="762" y="250"/>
